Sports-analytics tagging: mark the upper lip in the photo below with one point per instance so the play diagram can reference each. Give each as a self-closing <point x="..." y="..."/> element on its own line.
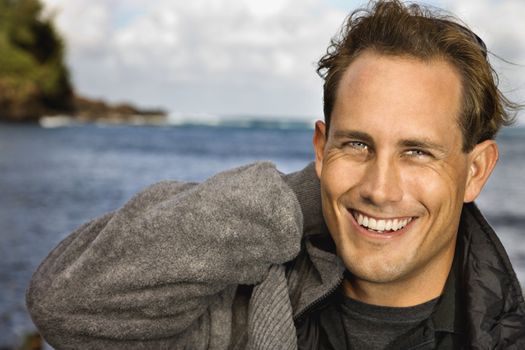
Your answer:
<point x="354" y="211"/>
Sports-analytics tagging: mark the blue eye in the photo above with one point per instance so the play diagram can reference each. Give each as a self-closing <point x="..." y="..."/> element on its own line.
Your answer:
<point x="357" y="145"/>
<point x="418" y="153"/>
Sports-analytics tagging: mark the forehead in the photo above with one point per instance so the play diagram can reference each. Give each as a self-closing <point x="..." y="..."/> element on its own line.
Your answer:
<point x="403" y="96"/>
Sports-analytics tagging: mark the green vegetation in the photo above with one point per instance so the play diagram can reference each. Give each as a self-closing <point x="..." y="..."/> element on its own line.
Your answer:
<point x="33" y="77"/>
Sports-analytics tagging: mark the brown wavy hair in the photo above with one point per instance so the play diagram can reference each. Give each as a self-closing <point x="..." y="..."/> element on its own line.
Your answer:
<point x="393" y="28"/>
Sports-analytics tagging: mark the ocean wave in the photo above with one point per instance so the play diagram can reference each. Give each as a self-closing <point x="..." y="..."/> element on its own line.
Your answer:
<point x="189" y="120"/>
<point x="245" y="122"/>
<point x="504" y="219"/>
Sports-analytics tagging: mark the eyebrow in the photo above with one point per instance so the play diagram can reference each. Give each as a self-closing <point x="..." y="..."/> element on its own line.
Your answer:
<point x="407" y="143"/>
<point x="424" y="144"/>
<point x="354" y="134"/>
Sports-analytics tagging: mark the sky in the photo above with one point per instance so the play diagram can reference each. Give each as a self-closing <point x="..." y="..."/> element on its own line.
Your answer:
<point x="239" y="57"/>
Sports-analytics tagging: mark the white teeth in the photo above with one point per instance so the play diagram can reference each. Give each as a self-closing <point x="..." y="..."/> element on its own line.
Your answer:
<point x="380" y="225"/>
<point x="395" y="225"/>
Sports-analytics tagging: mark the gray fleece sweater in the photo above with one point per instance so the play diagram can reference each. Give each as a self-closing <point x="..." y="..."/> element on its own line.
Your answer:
<point x="167" y="270"/>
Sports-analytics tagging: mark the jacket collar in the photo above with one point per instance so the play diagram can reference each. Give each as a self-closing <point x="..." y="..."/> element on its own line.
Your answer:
<point x="449" y="313"/>
<point x="494" y="305"/>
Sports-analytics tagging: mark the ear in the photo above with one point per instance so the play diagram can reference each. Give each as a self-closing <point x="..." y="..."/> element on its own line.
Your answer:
<point x="482" y="159"/>
<point x="319" y="144"/>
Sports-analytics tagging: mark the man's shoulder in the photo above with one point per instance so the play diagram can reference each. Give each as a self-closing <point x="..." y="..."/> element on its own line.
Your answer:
<point x="493" y="297"/>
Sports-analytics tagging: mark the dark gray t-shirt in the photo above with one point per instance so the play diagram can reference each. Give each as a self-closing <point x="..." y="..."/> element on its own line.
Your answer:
<point x="350" y="324"/>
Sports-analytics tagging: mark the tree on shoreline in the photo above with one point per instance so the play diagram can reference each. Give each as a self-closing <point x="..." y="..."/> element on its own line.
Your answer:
<point x="34" y="79"/>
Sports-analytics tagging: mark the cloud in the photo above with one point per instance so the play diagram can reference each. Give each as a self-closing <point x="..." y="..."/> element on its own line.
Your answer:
<point x="203" y="55"/>
<point x="237" y="56"/>
<point x="500" y="24"/>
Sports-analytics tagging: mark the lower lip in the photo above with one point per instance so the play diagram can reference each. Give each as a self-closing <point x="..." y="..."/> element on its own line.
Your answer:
<point x="376" y="235"/>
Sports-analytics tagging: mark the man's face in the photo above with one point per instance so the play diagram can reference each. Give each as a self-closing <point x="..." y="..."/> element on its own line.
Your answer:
<point x="392" y="171"/>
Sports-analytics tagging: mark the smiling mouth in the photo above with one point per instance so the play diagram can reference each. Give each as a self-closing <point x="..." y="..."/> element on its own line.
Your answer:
<point x="380" y="225"/>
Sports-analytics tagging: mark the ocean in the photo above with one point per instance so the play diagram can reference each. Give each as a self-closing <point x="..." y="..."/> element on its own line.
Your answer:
<point x="54" y="179"/>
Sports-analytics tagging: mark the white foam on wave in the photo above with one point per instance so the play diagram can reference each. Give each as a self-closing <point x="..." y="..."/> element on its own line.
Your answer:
<point x="195" y="119"/>
<point x="269" y="122"/>
<point x="56" y="121"/>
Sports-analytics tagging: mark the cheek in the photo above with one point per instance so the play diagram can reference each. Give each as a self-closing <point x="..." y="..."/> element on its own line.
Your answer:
<point x="437" y="189"/>
<point x="338" y="177"/>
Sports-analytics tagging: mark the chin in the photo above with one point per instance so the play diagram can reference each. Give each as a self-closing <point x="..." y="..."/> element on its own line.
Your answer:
<point x="377" y="269"/>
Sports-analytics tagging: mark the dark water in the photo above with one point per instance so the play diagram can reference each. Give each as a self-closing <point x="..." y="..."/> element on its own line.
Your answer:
<point x="52" y="180"/>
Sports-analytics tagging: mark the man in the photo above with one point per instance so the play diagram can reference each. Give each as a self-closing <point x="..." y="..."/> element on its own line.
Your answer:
<point x="245" y="260"/>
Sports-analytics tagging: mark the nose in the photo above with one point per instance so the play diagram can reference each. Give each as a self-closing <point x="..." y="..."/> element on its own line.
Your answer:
<point x="381" y="182"/>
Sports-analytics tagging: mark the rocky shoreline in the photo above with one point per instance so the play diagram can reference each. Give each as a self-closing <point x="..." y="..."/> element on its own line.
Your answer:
<point x="89" y="110"/>
<point x="34" y="78"/>
<point x="86" y="110"/>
